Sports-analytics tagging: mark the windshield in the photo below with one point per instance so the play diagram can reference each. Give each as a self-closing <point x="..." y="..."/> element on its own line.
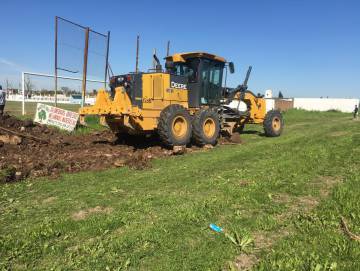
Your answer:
<point x="212" y="72"/>
<point x="188" y="69"/>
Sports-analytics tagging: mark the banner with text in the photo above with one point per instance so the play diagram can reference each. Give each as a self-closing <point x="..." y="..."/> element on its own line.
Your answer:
<point x="50" y="115"/>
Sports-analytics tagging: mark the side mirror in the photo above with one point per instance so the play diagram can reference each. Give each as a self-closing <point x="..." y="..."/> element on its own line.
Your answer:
<point x="169" y="65"/>
<point x="231" y="67"/>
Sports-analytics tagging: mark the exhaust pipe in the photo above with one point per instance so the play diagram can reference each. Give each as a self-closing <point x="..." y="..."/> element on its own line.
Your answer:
<point x="158" y="67"/>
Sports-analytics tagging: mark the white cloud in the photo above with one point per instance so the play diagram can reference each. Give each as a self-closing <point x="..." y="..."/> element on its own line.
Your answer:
<point x="12" y="65"/>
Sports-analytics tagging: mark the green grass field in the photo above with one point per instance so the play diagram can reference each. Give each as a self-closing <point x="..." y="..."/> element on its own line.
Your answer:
<point x="15" y="108"/>
<point x="279" y="199"/>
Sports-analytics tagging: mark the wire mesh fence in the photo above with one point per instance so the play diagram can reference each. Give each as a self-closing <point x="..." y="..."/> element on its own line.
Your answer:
<point x="81" y="64"/>
<point x="69" y="48"/>
<point x="97" y="56"/>
<point x="80" y="52"/>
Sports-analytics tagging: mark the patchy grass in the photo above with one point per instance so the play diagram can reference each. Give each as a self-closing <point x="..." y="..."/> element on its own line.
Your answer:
<point x="92" y="124"/>
<point x="279" y="200"/>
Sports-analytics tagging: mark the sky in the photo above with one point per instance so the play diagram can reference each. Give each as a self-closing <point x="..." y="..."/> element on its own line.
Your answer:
<point x="304" y="48"/>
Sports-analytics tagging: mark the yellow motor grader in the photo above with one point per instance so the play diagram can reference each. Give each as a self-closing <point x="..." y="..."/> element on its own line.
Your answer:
<point x="184" y="102"/>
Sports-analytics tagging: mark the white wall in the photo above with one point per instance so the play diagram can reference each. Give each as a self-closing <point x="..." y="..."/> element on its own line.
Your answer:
<point x="325" y="104"/>
<point x="61" y="99"/>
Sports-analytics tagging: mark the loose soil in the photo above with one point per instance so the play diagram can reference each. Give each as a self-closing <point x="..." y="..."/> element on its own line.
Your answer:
<point x="46" y="151"/>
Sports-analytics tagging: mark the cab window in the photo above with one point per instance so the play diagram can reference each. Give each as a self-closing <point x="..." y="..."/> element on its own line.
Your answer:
<point x="212" y="73"/>
<point x="188" y="69"/>
<point x="215" y="75"/>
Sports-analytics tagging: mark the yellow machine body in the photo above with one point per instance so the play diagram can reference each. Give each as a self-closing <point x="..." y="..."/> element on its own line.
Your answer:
<point x="166" y="102"/>
<point x="257" y="107"/>
<point x="120" y="114"/>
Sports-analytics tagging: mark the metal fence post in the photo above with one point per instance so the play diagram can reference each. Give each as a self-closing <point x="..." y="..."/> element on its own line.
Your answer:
<point x="86" y="49"/>
<point x="56" y="53"/>
<point x="23" y="92"/>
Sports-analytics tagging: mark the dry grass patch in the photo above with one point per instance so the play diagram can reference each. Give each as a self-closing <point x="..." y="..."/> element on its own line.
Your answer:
<point x="262" y="240"/>
<point x="297" y="205"/>
<point x="267" y="239"/>
<point x="49" y="200"/>
<point x="339" y="133"/>
<point x="325" y="184"/>
<point x="244" y="182"/>
<point x="83" y="214"/>
<point x="244" y="262"/>
<point x="282" y="198"/>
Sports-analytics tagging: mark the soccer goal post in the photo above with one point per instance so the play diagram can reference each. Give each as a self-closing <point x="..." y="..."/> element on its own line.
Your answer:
<point x="37" y="87"/>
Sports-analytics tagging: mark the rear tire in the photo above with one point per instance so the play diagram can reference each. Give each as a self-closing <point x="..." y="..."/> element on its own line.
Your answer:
<point x="174" y="126"/>
<point x="273" y="123"/>
<point x="206" y="127"/>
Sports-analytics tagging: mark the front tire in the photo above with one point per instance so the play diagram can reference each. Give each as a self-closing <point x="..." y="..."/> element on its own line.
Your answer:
<point x="174" y="126"/>
<point x="206" y="127"/>
<point x="273" y="123"/>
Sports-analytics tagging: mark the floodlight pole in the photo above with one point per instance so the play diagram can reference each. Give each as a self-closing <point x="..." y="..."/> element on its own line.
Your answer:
<point x="168" y="48"/>
<point x="86" y="49"/>
<point x="137" y="54"/>
<point x="56" y="53"/>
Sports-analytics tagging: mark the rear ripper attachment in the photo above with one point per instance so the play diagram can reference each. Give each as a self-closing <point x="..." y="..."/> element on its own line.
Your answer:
<point x="184" y="103"/>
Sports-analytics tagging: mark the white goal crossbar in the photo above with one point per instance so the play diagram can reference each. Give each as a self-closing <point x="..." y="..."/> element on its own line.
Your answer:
<point x="51" y="76"/>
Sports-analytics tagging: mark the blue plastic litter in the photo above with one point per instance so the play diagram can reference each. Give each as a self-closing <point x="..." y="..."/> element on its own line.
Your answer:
<point x="216" y="228"/>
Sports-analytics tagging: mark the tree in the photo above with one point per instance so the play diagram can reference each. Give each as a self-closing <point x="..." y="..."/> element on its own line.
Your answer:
<point x="280" y="95"/>
<point x="45" y="91"/>
<point x="28" y="86"/>
<point x="66" y="90"/>
<point x="8" y="84"/>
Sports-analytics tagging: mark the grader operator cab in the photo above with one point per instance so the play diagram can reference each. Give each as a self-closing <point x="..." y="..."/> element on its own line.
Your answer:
<point x="185" y="102"/>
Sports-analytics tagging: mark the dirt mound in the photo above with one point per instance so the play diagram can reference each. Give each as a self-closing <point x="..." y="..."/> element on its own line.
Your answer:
<point x="10" y="122"/>
<point x="46" y="151"/>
